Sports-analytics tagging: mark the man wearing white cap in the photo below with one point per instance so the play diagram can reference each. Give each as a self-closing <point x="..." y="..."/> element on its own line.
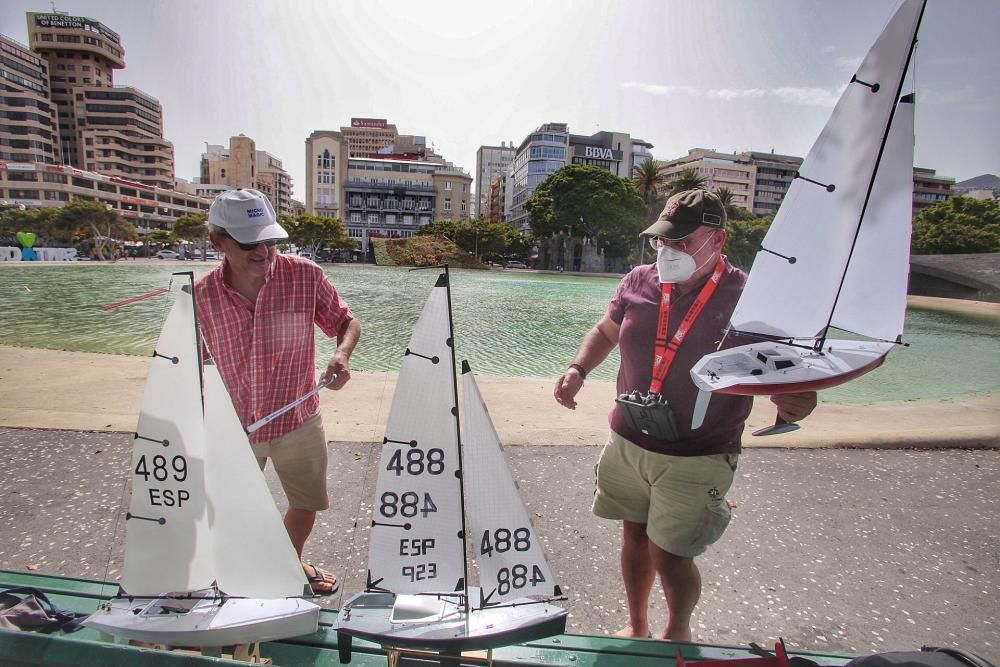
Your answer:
<point x="256" y="313"/>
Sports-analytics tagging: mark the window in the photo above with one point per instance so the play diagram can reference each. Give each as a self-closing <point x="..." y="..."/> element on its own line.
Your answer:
<point x="373" y="218"/>
<point x="447" y="185"/>
<point x="355" y="217"/>
<point x="447" y="204"/>
<point x="356" y="201"/>
<point x="325" y="161"/>
<point x="463" y="207"/>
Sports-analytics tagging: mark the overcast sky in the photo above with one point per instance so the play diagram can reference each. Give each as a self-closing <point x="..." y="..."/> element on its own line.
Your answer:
<point x="723" y="74"/>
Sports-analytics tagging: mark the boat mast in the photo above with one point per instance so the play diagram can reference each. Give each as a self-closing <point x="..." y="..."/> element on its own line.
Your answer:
<point x="197" y="332"/>
<point x="444" y="280"/>
<point x="871" y="182"/>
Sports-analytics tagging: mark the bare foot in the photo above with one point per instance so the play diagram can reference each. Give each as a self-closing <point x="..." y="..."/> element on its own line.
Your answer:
<point x="677" y="634"/>
<point x="627" y="631"/>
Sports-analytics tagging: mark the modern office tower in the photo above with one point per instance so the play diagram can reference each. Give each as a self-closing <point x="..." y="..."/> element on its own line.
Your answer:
<point x="454" y="193"/>
<point x="774" y="175"/>
<point x="928" y="188"/>
<point x="541" y="153"/>
<point x="491" y="161"/>
<point x="241" y="165"/>
<point x="113" y="130"/>
<point x="29" y="131"/>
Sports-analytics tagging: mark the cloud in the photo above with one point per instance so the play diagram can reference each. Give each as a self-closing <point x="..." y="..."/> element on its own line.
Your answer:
<point x="849" y="65"/>
<point x="828" y="49"/>
<point x="805" y="96"/>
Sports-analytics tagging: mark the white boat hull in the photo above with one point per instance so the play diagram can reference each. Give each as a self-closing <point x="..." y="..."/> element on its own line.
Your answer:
<point x="205" y="622"/>
<point x="768" y="367"/>
<point x="429" y="623"/>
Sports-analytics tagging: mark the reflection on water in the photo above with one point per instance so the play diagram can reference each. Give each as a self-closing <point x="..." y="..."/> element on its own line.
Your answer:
<point x="506" y="323"/>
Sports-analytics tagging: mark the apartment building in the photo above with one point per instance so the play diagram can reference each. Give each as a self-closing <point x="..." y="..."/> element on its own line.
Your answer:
<point x="117" y="130"/>
<point x="929" y="188"/>
<point x="735" y="172"/>
<point x="37" y="184"/>
<point x="242" y="165"/>
<point x="454" y="193"/>
<point x="29" y="130"/>
<point x="774" y="176"/>
<point x="491" y="162"/>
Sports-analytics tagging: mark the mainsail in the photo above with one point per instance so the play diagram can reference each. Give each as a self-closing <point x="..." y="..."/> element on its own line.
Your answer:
<point x="506" y="546"/>
<point x="416" y="541"/>
<point x="829" y="203"/>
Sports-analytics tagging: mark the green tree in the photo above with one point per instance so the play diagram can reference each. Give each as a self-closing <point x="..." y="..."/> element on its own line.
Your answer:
<point x="957" y="225"/>
<point x="41" y="221"/>
<point x="649" y="179"/>
<point x="588" y="201"/>
<point x="743" y="239"/>
<point x="193" y="227"/>
<point x="106" y="229"/>
<point x="491" y="241"/>
<point x="317" y="232"/>
<point x="688" y="179"/>
<point x="727" y="199"/>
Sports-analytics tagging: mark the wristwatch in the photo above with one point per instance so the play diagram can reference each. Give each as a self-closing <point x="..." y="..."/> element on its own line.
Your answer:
<point x="581" y="370"/>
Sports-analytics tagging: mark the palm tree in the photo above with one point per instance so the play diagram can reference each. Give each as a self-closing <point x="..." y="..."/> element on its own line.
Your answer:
<point x="726" y="196"/>
<point x="650" y="179"/>
<point x="689" y="179"/>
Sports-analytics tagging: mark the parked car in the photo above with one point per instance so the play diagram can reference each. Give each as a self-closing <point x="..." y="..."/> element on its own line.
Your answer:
<point x="167" y="254"/>
<point x="516" y="265"/>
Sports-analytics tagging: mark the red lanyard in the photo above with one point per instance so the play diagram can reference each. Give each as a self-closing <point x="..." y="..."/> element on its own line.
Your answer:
<point x="665" y="352"/>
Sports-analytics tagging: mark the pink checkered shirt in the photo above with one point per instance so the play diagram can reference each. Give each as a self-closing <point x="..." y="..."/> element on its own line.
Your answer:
<point x="266" y="351"/>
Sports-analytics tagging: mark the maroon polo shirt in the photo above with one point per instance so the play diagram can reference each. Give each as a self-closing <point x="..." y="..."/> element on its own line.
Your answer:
<point x="635" y="307"/>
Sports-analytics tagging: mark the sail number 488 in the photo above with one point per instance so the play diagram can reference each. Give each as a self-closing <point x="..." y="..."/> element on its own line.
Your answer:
<point x="417" y="462"/>
<point x="406" y="504"/>
<point x="502" y="540"/>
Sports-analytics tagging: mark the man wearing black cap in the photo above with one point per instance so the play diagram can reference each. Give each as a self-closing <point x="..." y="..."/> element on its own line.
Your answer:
<point x="665" y="480"/>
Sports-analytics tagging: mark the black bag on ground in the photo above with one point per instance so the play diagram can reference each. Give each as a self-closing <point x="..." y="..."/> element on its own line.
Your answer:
<point x="927" y="656"/>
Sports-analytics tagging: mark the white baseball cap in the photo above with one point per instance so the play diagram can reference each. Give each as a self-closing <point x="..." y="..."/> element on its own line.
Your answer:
<point x="246" y="215"/>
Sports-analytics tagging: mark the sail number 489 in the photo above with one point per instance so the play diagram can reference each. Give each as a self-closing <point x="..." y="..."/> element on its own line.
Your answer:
<point x="160" y="470"/>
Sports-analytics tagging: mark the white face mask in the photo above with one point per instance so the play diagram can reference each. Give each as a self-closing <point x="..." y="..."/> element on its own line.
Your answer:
<point x="676" y="266"/>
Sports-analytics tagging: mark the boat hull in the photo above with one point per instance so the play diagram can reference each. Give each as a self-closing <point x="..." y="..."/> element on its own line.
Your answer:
<point x="769" y="367"/>
<point x="205" y="622"/>
<point x="375" y="617"/>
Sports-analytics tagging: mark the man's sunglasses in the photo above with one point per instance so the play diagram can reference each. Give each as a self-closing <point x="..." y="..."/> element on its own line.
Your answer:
<point x="250" y="247"/>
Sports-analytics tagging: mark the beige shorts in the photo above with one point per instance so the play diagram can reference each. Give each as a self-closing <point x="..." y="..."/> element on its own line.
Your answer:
<point x="300" y="460"/>
<point x="681" y="499"/>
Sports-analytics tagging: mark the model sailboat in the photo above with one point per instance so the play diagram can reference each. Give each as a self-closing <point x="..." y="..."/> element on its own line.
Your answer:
<point x="207" y="559"/>
<point x="837" y="254"/>
<point x="417" y="593"/>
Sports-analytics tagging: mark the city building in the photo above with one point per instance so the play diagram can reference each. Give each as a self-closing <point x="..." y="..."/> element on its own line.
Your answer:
<point x="491" y="162"/>
<point x="29" y="130"/>
<point x="551" y="147"/>
<point x="393" y="184"/>
<point x="241" y="165"/>
<point x="496" y="197"/>
<point x="735" y="172"/>
<point x="116" y="130"/>
<point x="36" y="184"/>
<point x="774" y="175"/>
<point x="454" y="193"/>
<point x="928" y="188"/>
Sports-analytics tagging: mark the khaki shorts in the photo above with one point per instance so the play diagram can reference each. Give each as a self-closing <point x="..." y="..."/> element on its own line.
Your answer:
<point x="300" y="460"/>
<point x="681" y="499"/>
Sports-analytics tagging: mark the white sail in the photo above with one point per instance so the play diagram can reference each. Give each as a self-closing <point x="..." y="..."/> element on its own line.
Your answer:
<point x="166" y="539"/>
<point x="416" y="542"/>
<point x="252" y="552"/>
<point x="873" y="299"/>
<point x="816" y="226"/>
<point x="506" y="547"/>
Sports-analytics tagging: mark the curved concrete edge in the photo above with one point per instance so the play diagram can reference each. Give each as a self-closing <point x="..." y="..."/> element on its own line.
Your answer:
<point x="77" y="391"/>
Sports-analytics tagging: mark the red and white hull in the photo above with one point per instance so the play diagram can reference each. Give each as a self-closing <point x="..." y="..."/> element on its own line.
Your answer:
<point x="769" y="367"/>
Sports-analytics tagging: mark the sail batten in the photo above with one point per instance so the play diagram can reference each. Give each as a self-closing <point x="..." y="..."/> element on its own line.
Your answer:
<point x="818" y="225"/>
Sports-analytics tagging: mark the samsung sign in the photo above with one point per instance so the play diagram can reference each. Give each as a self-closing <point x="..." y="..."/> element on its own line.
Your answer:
<point x="597" y="153"/>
